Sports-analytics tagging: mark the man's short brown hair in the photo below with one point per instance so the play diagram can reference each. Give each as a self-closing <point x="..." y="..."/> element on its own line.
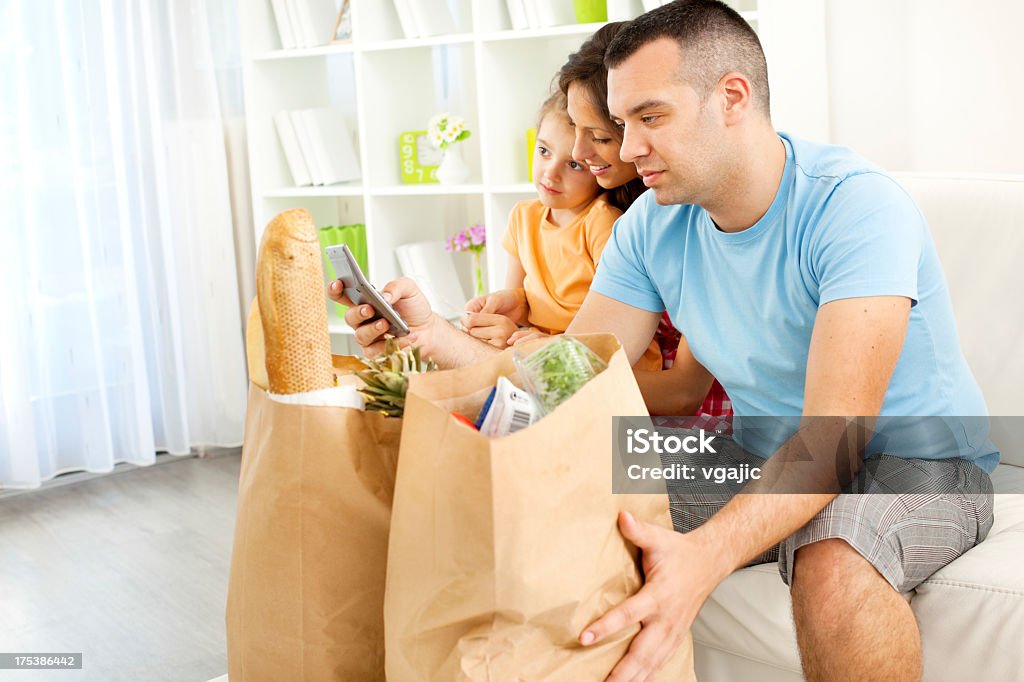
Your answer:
<point x="713" y="38"/>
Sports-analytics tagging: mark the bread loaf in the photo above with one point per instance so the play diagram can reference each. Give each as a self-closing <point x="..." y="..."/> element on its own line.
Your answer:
<point x="290" y="290"/>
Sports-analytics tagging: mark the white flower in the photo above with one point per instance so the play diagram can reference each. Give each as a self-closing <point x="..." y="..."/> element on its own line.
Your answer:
<point x="444" y="129"/>
<point x="437" y="120"/>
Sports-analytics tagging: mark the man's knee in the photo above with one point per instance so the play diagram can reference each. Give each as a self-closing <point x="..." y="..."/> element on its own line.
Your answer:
<point x="826" y="560"/>
<point x="829" y="576"/>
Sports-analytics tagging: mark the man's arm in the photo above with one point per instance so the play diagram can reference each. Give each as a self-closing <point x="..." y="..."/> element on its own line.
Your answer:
<point x="446" y="345"/>
<point x="854" y="349"/>
<point x="634" y="327"/>
<point x="679" y="390"/>
<point x="450" y="347"/>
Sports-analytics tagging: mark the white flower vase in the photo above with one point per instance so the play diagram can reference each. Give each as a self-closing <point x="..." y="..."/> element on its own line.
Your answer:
<point x="453" y="169"/>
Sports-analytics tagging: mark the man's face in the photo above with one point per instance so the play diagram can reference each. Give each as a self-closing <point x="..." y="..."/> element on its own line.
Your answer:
<point x="667" y="132"/>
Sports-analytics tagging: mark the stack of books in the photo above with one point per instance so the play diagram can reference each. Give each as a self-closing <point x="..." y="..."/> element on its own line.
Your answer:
<point x="304" y="23"/>
<point x="318" y="146"/>
<point x="422" y="18"/>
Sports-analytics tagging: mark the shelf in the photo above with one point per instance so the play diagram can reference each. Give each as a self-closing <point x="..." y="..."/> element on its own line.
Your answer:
<point x="385" y="84"/>
<point x="340" y="190"/>
<point x="526" y="34"/>
<point x="304" y="52"/>
<point x="412" y="43"/>
<point x="425" y="190"/>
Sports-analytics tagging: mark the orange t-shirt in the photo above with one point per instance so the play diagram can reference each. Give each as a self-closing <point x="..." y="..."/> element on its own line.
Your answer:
<point x="560" y="262"/>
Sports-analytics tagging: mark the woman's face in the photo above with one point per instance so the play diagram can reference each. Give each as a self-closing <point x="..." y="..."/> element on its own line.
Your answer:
<point x="596" y="146"/>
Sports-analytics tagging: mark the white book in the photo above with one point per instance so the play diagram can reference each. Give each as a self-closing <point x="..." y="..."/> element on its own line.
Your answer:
<point x="292" y="10"/>
<point x="517" y="14"/>
<point x="292" y="150"/>
<point x="403" y="8"/>
<point x="434" y="271"/>
<point x="284" y="24"/>
<point x="433" y="18"/>
<point x="319" y="16"/>
<point x="555" y="13"/>
<point x="307" y="22"/>
<point x="333" y="150"/>
<point x="532" y="13"/>
<point x="307" y="146"/>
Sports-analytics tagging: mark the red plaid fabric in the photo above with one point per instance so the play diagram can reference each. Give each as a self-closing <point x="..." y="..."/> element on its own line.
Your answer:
<point x="717" y="403"/>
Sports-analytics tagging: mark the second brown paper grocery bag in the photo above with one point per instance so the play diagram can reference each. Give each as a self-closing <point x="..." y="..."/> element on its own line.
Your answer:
<point x="503" y="550"/>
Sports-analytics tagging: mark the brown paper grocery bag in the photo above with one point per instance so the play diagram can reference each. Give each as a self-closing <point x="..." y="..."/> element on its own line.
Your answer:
<point x="307" y="571"/>
<point x="503" y="550"/>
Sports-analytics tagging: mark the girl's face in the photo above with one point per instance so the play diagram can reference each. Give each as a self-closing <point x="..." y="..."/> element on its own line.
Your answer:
<point x="561" y="182"/>
<point x="596" y="145"/>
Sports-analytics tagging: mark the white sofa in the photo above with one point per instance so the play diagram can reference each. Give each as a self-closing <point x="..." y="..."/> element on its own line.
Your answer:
<point x="971" y="613"/>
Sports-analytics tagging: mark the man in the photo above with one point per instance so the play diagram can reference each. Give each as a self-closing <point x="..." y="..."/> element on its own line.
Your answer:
<point x="807" y="283"/>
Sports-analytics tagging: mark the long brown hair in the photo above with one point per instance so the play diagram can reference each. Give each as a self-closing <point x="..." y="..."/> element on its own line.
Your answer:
<point x="586" y="68"/>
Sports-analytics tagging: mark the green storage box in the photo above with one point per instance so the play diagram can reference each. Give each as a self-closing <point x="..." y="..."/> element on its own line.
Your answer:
<point x="590" y="11"/>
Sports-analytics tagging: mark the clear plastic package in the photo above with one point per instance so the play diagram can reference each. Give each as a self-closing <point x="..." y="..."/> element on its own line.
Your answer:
<point x="554" y="372"/>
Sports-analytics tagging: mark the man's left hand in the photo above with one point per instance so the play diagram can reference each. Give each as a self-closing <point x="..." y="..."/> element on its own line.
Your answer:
<point x="677" y="583"/>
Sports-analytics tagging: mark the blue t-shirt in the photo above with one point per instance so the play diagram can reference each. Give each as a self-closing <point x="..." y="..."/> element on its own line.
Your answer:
<point x="746" y="301"/>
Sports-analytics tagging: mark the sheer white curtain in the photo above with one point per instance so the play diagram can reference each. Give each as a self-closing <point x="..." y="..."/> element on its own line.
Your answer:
<point x="120" y="330"/>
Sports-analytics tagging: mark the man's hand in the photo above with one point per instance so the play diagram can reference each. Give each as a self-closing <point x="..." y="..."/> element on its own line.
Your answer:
<point x="508" y="302"/>
<point x="407" y="300"/>
<point x="492" y="328"/>
<point x="678" y="582"/>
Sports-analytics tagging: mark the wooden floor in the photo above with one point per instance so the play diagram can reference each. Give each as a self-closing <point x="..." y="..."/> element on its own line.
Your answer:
<point x="130" y="569"/>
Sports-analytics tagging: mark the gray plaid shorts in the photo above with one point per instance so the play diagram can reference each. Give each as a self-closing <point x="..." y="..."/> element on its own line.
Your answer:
<point x="941" y="510"/>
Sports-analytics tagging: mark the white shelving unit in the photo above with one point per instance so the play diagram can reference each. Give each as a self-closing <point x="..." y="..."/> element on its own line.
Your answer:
<point x="385" y="84"/>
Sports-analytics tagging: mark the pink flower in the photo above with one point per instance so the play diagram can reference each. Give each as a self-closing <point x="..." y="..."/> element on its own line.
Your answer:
<point x="478" y="235"/>
<point x="472" y="238"/>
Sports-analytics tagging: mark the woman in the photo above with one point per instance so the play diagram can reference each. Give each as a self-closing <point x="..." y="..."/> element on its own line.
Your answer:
<point x="584" y="81"/>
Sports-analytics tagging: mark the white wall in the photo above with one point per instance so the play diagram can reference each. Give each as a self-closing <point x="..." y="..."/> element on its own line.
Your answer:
<point x="928" y="85"/>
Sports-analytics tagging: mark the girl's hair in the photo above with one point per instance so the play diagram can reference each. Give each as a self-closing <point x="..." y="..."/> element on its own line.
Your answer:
<point x="556" y="103"/>
<point x="586" y="68"/>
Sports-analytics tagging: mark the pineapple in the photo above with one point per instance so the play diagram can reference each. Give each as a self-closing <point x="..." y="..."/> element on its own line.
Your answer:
<point x="387" y="380"/>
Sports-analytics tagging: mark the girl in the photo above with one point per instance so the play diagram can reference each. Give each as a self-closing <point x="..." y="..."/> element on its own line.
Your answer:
<point x="553" y="241"/>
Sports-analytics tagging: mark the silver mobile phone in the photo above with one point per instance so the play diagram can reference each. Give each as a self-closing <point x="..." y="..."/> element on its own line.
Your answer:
<point x="360" y="291"/>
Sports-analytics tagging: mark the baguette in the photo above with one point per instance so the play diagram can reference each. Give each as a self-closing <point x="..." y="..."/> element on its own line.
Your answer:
<point x="290" y="290"/>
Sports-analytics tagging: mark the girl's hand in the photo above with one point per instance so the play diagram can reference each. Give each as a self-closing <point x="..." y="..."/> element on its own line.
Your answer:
<point x="489" y="327"/>
<point x="524" y="335"/>
<point x="508" y="302"/>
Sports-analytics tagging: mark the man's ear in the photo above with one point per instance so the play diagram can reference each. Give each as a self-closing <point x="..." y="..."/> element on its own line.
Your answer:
<point x="737" y="97"/>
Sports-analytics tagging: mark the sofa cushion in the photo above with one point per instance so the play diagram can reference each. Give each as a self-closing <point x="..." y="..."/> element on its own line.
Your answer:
<point x="974" y="604"/>
<point x="976" y="222"/>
